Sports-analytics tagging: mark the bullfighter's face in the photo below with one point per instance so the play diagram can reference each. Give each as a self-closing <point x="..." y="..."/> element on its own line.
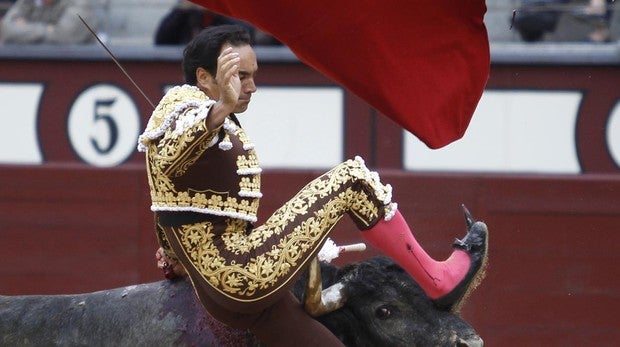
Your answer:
<point x="248" y="67"/>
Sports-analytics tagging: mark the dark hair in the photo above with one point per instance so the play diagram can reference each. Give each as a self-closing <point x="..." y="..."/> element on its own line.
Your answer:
<point x="204" y="49"/>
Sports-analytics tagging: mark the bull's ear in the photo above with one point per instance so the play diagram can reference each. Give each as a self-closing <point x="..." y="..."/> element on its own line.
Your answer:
<point x="317" y="301"/>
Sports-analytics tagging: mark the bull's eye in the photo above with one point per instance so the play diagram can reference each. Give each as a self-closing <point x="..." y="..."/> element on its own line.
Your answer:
<point x="383" y="312"/>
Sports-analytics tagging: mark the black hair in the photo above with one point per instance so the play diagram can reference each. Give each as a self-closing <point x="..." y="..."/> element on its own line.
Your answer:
<point x="204" y="49"/>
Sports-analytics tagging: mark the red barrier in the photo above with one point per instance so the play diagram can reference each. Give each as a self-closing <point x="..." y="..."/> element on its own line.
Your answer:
<point x="553" y="240"/>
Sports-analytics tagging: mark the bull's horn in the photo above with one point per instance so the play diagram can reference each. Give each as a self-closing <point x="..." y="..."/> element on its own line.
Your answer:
<point x="468" y="217"/>
<point x="318" y="302"/>
<point x="472" y="341"/>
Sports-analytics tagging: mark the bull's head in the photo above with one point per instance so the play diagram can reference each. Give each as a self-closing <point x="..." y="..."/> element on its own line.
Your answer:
<point x="375" y="302"/>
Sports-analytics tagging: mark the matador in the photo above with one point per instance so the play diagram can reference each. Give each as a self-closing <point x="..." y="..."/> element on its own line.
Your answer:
<point x="204" y="178"/>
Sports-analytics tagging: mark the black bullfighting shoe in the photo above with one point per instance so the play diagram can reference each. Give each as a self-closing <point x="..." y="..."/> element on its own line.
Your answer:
<point x="476" y="244"/>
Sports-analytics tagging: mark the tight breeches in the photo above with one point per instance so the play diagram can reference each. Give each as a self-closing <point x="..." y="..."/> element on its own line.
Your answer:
<point x="240" y="273"/>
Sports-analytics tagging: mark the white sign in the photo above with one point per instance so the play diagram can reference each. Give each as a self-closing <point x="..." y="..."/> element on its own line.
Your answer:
<point x="19" y="107"/>
<point x="613" y="134"/>
<point x="511" y="131"/>
<point x="103" y="125"/>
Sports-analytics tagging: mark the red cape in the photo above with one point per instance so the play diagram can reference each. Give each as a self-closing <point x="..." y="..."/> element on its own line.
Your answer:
<point x="423" y="63"/>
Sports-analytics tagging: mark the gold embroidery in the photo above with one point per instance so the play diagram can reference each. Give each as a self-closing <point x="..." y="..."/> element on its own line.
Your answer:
<point x="247" y="162"/>
<point x="170" y="156"/>
<point x="250" y="184"/>
<point x="250" y="276"/>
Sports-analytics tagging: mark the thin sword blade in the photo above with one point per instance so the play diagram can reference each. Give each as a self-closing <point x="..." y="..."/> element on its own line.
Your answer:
<point x="117" y="62"/>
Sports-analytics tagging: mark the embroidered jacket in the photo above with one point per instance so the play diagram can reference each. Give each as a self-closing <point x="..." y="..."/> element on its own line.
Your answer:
<point x="192" y="168"/>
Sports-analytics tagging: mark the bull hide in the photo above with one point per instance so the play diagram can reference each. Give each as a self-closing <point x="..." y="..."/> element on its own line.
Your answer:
<point x="384" y="307"/>
<point x="165" y="313"/>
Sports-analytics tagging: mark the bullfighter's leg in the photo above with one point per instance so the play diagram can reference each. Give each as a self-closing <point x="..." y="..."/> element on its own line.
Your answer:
<point x="297" y="326"/>
<point x="447" y="282"/>
<point x="283" y="323"/>
<point x="247" y="267"/>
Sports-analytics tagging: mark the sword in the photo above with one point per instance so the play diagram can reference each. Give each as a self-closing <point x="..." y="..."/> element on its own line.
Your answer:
<point x="116" y="62"/>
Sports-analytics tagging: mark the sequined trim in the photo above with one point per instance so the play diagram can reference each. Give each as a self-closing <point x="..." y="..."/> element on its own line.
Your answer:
<point x="249" y="267"/>
<point x="176" y="140"/>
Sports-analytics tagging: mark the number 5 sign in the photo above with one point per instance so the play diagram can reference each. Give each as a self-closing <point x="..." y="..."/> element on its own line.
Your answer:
<point x="103" y="125"/>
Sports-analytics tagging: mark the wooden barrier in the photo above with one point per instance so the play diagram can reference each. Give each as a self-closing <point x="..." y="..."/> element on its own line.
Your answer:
<point x="553" y="240"/>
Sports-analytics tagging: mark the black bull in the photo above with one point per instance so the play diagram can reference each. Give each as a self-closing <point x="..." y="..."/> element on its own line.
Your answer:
<point x="385" y="307"/>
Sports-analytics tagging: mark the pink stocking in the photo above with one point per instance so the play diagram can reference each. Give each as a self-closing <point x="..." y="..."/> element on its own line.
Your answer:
<point x="437" y="278"/>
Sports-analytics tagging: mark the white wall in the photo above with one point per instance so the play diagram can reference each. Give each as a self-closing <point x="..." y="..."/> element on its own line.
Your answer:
<point x="511" y="131"/>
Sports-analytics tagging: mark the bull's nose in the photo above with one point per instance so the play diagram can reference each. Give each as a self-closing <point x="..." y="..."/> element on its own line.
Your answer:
<point x="473" y="341"/>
